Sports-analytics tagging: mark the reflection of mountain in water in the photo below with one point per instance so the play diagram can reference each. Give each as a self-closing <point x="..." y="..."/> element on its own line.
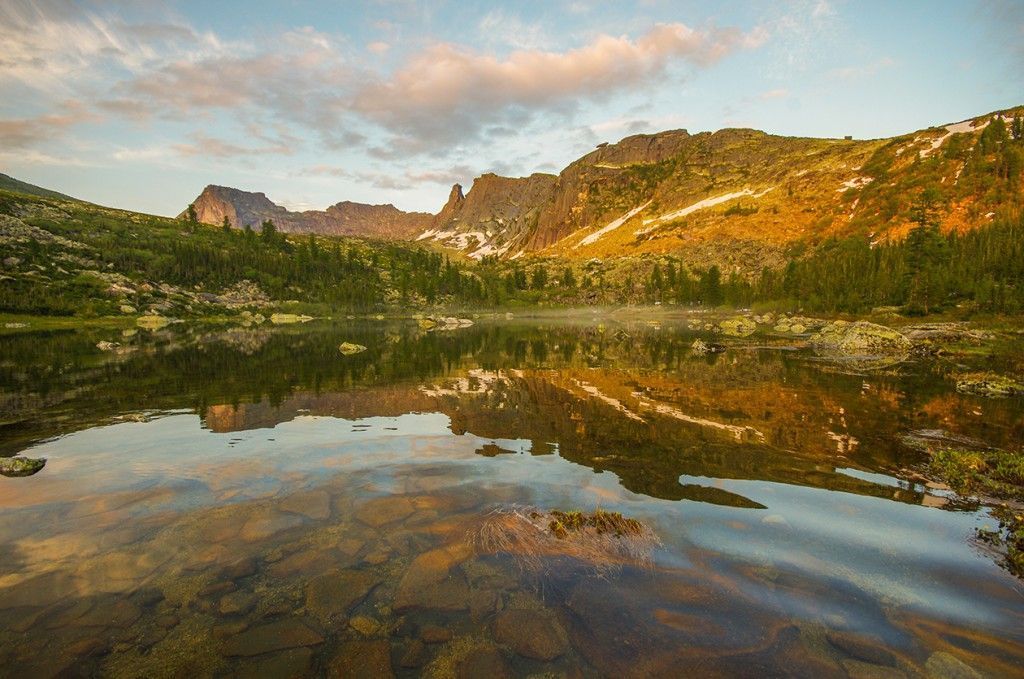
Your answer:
<point x="639" y="404"/>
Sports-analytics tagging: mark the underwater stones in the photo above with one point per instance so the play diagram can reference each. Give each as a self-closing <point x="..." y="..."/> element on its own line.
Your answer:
<point x="237" y="603"/>
<point x="943" y="665"/>
<point x="426" y="582"/>
<point x="20" y="466"/>
<point x="313" y="504"/>
<point x="365" y="625"/>
<point x="988" y="384"/>
<point x="415" y="655"/>
<point x="338" y="592"/>
<point x="293" y="663"/>
<point x="861" y="648"/>
<point x="264" y="525"/>
<point x="860" y="338"/>
<point x="484" y="663"/>
<point x="381" y="511"/>
<point x="858" y="669"/>
<point x="531" y="633"/>
<point x="435" y="634"/>
<point x="361" y="658"/>
<point x="349" y="348"/>
<point x="273" y="636"/>
<point x="738" y="327"/>
<point x="303" y="562"/>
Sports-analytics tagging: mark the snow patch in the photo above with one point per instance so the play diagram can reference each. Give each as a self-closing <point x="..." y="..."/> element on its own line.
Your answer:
<point x="855" y="183"/>
<point x="699" y="205"/>
<point x="611" y="226"/>
<point x="604" y="398"/>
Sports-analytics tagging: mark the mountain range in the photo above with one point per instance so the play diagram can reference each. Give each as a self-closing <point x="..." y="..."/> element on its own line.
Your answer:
<point x="738" y="197"/>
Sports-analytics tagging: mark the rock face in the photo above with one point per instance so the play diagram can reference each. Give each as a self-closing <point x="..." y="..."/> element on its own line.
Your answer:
<point x="860" y="339"/>
<point x="497" y="217"/>
<point x="342" y="219"/>
<point x="738" y="198"/>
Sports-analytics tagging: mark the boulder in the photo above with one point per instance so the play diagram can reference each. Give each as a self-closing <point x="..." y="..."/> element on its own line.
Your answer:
<point x="740" y="326"/>
<point x="20" y="466"/>
<point x="860" y="339"/>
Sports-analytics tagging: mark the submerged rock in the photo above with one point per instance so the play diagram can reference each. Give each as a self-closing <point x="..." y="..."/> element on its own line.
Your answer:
<point x="20" y="466"/>
<point x="988" y="384"/>
<point x="349" y="348"/>
<point x="274" y="636"/>
<point x="860" y="339"/>
<point x="942" y="665"/>
<point x="339" y="592"/>
<point x="531" y="634"/>
<point x="361" y="658"/>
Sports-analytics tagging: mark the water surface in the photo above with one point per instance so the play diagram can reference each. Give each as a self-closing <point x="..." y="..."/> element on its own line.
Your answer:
<point x="252" y="502"/>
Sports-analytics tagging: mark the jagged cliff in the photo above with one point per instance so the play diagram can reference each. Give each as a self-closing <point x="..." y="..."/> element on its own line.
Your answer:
<point x="342" y="219"/>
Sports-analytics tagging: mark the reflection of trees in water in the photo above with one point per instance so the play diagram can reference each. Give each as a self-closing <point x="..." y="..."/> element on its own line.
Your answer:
<point x="59" y="382"/>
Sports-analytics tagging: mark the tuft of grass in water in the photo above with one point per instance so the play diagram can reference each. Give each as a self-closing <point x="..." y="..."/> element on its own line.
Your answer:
<point x="997" y="473"/>
<point x="994" y="472"/>
<point x="600" y="541"/>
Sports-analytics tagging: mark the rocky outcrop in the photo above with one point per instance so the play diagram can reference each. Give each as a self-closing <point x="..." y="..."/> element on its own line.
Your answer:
<point x="346" y="218"/>
<point x="498" y="216"/>
<point x="860" y="339"/>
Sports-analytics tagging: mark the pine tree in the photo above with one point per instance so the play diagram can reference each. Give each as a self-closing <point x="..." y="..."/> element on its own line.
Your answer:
<point x="226" y="224"/>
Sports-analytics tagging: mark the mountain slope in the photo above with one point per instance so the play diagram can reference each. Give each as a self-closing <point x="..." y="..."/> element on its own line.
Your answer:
<point x="8" y="183"/>
<point x="739" y="198"/>
<point x="342" y="219"/>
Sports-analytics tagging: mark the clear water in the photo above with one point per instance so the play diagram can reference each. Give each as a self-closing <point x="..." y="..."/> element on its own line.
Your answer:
<point x="251" y="502"/>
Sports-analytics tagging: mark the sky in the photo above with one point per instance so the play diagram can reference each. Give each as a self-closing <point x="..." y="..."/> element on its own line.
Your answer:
<point x="139" y="104"/>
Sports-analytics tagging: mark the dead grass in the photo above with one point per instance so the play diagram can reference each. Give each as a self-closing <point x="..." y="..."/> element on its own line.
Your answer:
<point x="602" y="542"/>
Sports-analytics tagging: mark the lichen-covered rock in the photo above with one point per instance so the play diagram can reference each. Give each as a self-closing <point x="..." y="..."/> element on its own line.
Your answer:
<point x="740" y="326"/>
<point x="860" y="339"/>
<point x="20" y="466"/>
<point x="988" y="384"/>
<point x="349" y="348"/>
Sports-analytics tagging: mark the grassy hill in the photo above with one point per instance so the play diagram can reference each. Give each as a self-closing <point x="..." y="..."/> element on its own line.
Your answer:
<point x="8" y="183"/>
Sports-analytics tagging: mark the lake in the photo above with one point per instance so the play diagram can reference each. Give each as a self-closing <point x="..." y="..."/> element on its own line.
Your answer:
<point x="252" y="502"/>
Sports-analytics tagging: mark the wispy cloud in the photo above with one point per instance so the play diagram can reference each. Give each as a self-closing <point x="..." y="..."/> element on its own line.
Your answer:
<point x="448" y="93"/>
